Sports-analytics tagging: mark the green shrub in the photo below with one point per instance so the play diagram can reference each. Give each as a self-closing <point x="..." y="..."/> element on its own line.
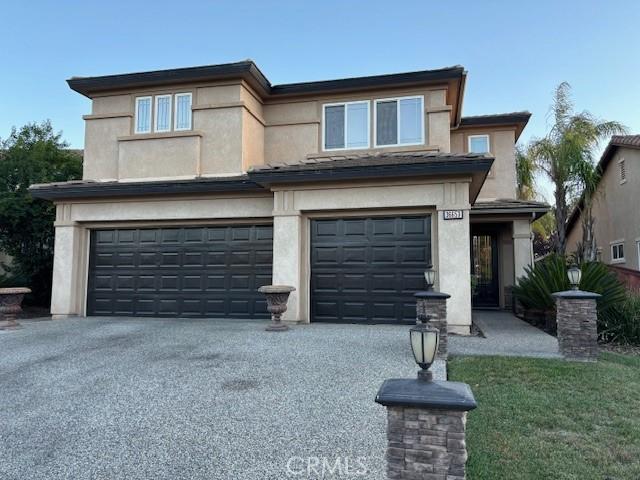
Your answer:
<point x="622" y="323"/>
<point x="550" y="275"/>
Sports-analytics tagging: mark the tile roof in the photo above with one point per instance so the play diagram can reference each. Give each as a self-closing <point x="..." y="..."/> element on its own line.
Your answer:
<point x="495" y="119"/>
<point x="625" y="141"/>
<point x="369" y="160"/>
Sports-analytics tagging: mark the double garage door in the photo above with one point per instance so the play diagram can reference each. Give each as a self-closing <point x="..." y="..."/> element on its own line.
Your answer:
<point x="362" y="270"/>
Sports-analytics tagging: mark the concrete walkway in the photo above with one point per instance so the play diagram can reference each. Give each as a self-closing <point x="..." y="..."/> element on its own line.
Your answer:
<point x="504" y="335"/>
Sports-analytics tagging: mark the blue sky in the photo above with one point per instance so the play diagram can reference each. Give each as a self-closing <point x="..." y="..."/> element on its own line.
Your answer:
<point x="515" y="52"/>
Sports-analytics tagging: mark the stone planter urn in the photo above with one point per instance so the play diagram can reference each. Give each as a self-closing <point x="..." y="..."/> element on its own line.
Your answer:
<point x="277" y="297"/>
<point x="10" y="306"/>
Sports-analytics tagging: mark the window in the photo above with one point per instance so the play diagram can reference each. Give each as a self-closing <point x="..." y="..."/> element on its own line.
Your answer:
<point x="183" y="111"/>
<point x="479" y="144"/>
<point x="143" y="115"/>
<point x="617" y="252"/>
<point x="399" y="121"/>
<point x="346" y="125"/>
<point x="623" y="171"/>
<point x="163" y="113"/>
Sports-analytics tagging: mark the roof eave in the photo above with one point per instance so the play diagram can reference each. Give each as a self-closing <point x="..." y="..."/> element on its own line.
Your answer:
<point x="72" y="190"/>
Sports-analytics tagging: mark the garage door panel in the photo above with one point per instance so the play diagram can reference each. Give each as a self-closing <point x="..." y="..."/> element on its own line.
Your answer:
<point x="189" y="271"/>
<point x="368" y="269"/>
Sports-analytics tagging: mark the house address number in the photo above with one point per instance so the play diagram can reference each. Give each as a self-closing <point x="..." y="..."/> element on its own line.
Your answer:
<point x="452" y="214"/>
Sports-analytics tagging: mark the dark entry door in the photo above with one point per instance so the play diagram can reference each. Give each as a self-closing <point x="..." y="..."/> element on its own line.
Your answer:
<point x="180" y="271"/>
<point x="484" y="268"/>
<point x="366" y="270"/>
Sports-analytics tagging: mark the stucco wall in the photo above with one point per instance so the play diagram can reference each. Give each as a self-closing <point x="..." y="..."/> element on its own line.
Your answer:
<point x="501" y="181"/>
<point x="237" y="130"/>
<point x="616" y="212"/>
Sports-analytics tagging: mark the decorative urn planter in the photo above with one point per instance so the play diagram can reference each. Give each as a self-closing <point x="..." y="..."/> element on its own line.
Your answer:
<point x="10" y="306"/>
<point x="277" y="297"/>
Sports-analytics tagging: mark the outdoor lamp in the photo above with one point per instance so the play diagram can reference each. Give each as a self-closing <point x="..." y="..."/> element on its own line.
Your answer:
<point x="574" y="274"/>
<point x="424" y="345"/>
<point x="430" y="277"/>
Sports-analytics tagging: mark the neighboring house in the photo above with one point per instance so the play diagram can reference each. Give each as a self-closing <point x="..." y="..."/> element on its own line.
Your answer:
<point x="616" y="213"/>
<point x="201" y="184"/>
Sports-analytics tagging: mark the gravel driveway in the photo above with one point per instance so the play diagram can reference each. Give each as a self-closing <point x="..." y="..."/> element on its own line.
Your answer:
<point x="195" y="399"/>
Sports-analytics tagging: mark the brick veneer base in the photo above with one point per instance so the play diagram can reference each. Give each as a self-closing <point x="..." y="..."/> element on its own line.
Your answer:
<point x="426" y="444"/>
<point x="577" y="328"/>
<point x="436" y="308"/>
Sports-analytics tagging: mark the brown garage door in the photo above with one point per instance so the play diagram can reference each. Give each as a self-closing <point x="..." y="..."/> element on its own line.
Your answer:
<point x="180" y="271"/>
<point x="366" y="270"/>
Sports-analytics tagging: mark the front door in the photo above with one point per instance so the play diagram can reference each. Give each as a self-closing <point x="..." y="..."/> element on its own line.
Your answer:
<point x="484" y="268"/>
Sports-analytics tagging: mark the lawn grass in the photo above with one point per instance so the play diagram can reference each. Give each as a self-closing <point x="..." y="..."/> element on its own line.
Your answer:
<point x="551" y="419"/>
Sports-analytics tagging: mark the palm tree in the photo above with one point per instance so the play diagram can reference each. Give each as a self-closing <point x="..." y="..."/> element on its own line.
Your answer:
<point x="566" y="154"/>
<point x="525" y="173"/>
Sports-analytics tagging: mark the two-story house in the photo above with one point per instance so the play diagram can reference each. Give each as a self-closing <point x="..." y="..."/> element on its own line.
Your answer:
<point x="616" y="215"/>
<point x="201" y="184"/>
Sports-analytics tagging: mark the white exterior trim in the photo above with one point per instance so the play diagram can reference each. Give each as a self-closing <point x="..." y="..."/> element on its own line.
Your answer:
<point x="484" y="135"/>
<point x="155" y="113"/>
<point x="175" y="116"/>
<point x="135" y="117"/>
<point x="397" y="99"/>
<point x="337" y="104"/>
<point x="615" y="243"/>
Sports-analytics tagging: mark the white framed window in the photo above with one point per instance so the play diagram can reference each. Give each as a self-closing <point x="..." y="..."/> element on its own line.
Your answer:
<point x="182" y="112"/>
<point x="479" y="144"/>
<point x="617" y="252"/>
<point x="399" y="121"/>
<point x="346" y="125"/>
<point x="143" y="115"/>
<point x="162" y="122"/>
<point x="622" y="171"/>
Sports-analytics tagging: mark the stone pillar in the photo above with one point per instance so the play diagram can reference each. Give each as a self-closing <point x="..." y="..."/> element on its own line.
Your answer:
<point x="288" y="244"/>
<point x="522" y="247"/>
<point x="434" y="305"/>
<point x="69" y="270"/>
<point x="426" y="424"/>
<point x="577" y="321"/>
<point x="454" y="270"/>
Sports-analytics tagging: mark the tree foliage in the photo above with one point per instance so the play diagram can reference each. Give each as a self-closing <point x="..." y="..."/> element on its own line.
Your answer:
<point x="32" y="154"/>
<point x="525" y="175"/>
<point x="566" y="155"/>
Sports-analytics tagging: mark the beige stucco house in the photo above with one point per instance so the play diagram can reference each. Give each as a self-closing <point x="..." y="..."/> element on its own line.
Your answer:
<point x="201" y="184"/>
<point x="616" y="213"/>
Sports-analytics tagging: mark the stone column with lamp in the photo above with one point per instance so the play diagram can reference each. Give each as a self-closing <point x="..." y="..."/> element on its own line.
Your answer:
<point x="431" y="307"/>
<point x="426" y="418"/>
<point x="577" y="320"/>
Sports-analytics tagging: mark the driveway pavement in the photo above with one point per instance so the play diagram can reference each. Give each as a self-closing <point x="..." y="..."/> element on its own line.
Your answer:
<point x="194" y="399"/>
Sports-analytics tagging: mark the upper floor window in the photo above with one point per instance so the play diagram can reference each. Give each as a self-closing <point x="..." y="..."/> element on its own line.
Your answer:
<point x="143" y="115"/>
<point x="183" y="111"/>
<point x="479" y="144"/>
<point x="399" y="121"/>
<point x="160" y="109"/>
<point x="617" y="252"/>
<point x="346" y="125"/>
<point x="163" y="113"/>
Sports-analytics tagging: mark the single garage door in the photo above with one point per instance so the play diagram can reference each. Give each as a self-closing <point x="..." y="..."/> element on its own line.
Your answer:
<point x="366" y="270"/>
<point x="172" y="272"/>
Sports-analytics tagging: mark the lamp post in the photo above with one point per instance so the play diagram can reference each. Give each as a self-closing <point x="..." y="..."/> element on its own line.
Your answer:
<point x="575" y="275"/>
<point x="424" y="345"/>
<point x="430" y="277"/>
